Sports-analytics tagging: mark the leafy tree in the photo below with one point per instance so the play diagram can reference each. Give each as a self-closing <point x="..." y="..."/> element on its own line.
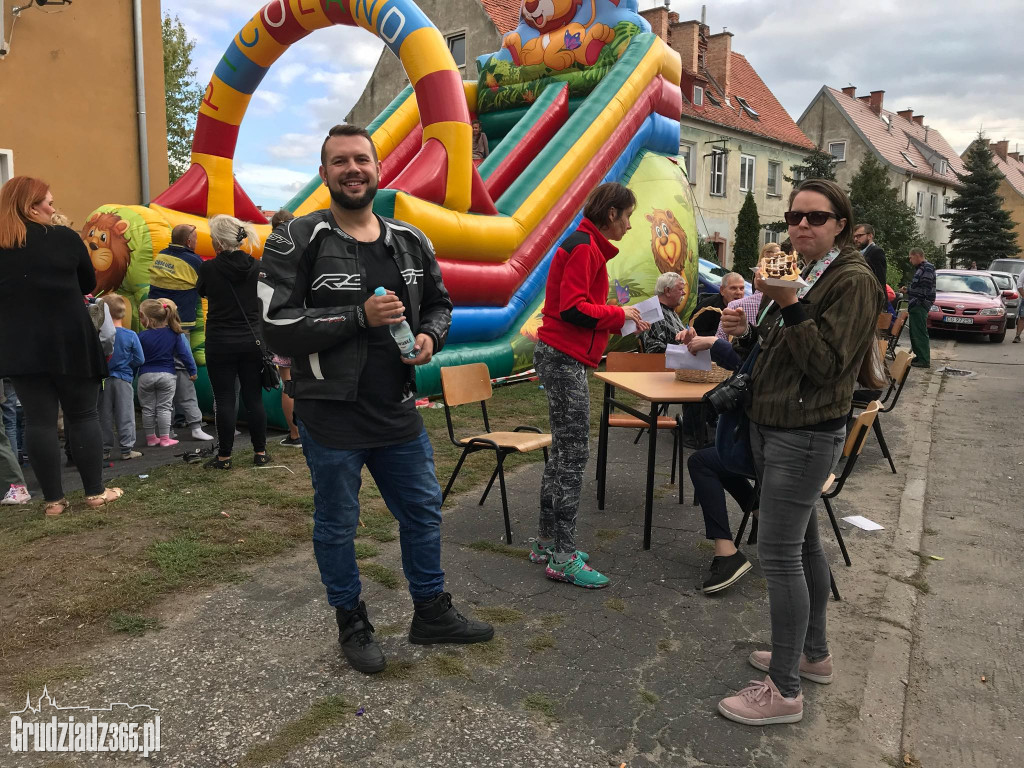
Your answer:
<point x="980" y="228"/>
<point x="876" y="202"/>
<point x="816" y="165"/>
<point x="747" y="240"/>
<point x="182" y="92"/>
<point x="706" y="250"/>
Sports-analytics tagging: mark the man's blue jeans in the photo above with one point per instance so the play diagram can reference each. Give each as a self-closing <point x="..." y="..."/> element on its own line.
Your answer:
<point x="405" y="477"/>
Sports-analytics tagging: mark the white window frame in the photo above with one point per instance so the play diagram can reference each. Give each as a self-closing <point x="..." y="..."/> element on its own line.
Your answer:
<point x="771" y="236"/>
<point x="945" y="203"/>
<point x="719" y="165"/>
<point x="6" y="165"/>
<point x="751" y="162"/>
<point x="919" y="208"/>
<point x="777" y="167"/>
<point x="933" y="206"/>
<point x="698" y="96"/>
<point x="689" y="151"/>
<point x="832" y="152"/>
<point x="448" y="39"/>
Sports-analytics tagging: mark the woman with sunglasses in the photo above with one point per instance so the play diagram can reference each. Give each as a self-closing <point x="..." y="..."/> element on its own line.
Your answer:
<point x="813" y="340"/>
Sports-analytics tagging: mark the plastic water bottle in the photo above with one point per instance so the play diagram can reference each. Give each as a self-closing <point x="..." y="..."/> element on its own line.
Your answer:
<point x="400" y="332"/>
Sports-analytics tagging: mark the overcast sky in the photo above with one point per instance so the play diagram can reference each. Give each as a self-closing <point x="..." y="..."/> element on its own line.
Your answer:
<point x="957" y="64"/>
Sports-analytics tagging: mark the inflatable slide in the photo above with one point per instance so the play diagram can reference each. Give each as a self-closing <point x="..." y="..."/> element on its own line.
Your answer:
<point x="580" y="93"/>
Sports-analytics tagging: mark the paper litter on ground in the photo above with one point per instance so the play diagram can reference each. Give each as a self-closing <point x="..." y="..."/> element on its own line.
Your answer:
<point x="862" y="522"/>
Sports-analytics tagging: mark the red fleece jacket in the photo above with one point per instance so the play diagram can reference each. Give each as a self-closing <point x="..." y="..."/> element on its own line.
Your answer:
<point x="577" y="318"/>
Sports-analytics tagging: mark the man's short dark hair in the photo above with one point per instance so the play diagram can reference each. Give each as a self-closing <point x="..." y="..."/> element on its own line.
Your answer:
<point x="181" y="233"/>
<point x="868" y="229"/>
<point x="917" y="252"/>
<point x="345" y="129"/>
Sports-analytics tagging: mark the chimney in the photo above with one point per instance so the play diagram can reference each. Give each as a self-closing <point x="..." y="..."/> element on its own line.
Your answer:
<point x="685" y="38"/>
<point x="875" y="101"/>
<point x="851" y="91"/>
<point x="1001" y="148"/>
<point x="864" y="99"/>
<point x="719" y="60"/>
<point x="658" y="19"/>
<point x="906" y="114"/>
<point x="673" y="18"/>
<point x="1014" y="156"/>
<point x="919" y="119"/>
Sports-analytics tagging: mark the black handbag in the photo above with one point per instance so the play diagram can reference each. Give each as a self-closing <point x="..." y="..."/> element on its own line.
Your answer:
<point x="270" y="379"/>
<point x="732" y="436"/>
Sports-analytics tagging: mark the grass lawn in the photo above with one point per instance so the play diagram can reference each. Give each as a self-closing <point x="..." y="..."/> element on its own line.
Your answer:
<point x="88" y="574"/>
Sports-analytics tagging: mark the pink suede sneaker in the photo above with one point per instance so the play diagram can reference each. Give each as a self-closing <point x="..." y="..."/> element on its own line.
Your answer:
<point x="152" y="440"/>
<point x="816" y="672"/>
<point x="760" y="703"/>
<point x="167" y="442"/>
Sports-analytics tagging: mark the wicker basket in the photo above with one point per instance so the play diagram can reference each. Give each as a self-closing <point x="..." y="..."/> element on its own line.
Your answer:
<point x="714" y="376"/>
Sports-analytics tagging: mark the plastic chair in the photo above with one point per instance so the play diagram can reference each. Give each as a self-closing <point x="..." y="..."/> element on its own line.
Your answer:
<point x="647" y="363"/>
<point x="463" y="384"/>
<point x="899" y="372"/>
<point x="894" y="334"/>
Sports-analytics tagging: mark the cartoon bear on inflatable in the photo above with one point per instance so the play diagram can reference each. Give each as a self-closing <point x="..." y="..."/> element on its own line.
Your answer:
<point x="562" y="42"/>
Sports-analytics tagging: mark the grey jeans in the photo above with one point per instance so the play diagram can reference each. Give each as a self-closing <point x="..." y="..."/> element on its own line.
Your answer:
<point x="185" y="401"/>
<point x="565" y="382"/>
<point x="792" y="465"/>
<point x="156" y="396"/>
<point x="117" y="414"/>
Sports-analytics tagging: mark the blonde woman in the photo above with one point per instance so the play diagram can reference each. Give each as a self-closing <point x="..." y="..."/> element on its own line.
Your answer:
<point x="228" y="281"/>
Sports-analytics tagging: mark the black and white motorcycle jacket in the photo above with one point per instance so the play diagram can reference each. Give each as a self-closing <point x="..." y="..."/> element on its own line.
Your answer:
<point x="312" y="289"/>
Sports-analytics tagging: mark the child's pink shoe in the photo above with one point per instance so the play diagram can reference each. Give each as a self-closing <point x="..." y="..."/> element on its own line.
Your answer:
<point x="166" y="442"/>
<point x="152" y="440"/>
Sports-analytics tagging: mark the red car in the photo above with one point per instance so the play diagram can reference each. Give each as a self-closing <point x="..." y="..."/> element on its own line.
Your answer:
<point x="968" y="301"/>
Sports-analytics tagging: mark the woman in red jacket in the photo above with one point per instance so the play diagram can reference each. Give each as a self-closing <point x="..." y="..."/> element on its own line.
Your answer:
<point x="575" y="330"/>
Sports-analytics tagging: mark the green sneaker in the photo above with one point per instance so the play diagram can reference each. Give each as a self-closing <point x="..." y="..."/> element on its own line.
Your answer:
<point x="575" y="571"/>
<point x="539" y="554"/>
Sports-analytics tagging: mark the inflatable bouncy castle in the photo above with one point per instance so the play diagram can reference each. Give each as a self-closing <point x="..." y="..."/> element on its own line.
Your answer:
<point x="580" y="93"/>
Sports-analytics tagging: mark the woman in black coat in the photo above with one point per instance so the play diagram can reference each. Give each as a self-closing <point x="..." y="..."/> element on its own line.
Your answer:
<point x="48" y="344"/>
<point x="228" y="282"/>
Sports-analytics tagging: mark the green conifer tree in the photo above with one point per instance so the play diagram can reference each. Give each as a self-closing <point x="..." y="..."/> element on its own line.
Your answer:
<point x="747" y="240"/>
<point x="980" y="228"/>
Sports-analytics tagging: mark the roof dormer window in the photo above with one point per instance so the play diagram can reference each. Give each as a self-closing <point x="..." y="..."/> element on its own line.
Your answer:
<point x="747" y="108"/>
<point x="907" y="158"/>
<point x="698" y="96"/>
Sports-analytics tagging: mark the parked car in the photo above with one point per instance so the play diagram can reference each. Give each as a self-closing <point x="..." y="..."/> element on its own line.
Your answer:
<point x="968" y="301"/>
<point x="1013" y="266"/>
<point x="1007" y="284"/>
<point x="709" y="278"/>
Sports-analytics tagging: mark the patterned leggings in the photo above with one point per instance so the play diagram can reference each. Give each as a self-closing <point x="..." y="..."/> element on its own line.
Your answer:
<point x="565" y="381"/>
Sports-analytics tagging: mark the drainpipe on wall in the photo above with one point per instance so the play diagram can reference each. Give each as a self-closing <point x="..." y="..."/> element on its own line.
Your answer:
<point x="140" y="98"/>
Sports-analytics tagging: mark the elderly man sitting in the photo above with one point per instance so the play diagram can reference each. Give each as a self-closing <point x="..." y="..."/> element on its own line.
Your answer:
<point x="709" y="309"/>
<point x="669" y="289"/>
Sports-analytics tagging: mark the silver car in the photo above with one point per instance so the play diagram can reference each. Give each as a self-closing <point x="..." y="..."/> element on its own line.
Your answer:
<point x="1007" y="282"/>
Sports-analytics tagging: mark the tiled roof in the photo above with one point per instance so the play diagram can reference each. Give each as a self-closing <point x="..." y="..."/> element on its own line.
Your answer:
<point x="899" y="142"/>
<point x="1012" y="169"/>
<point x="773" y="121"/>
<point x="504" y="13"/>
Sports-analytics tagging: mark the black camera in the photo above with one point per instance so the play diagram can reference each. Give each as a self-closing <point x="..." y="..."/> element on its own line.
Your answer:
<point x="730" y="395"/>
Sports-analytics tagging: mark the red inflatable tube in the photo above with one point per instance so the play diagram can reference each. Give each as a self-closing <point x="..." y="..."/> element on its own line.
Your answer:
<point x="392" y="165"/>
<point x="426" y="178"/>
<point x="539" y="134"/>
<point x="492" y="285"/>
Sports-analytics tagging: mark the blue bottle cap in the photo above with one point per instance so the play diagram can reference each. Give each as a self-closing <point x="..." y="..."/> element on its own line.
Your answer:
<point x="379" y="291"/>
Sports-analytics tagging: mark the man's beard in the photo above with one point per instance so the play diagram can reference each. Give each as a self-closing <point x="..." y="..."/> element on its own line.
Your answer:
<point x="353" y="203"/>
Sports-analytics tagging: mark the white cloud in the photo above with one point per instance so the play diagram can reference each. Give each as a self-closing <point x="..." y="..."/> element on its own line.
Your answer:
<point x="269" y="186"/>
<point x="299" y="148"/>
<point x="266" y="102"/>
<point x="287" y="73"/>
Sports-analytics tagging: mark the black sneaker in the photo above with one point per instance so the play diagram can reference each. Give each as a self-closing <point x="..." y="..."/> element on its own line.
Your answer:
<point x="726" y="571"/>
<point x="292" y="442"/>
<point x="439" y="622"/>
<point x="260" y="459"/>
<point x="355" y="634"/>
<point x="216" y="463"/>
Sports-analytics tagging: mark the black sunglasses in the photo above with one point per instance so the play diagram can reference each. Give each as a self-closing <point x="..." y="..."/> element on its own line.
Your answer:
<point x="814" y="218"/>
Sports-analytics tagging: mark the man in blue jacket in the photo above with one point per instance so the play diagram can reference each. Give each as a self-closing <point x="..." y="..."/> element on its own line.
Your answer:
<point x="354" y="398"/>
<point x="922" y="296"/>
